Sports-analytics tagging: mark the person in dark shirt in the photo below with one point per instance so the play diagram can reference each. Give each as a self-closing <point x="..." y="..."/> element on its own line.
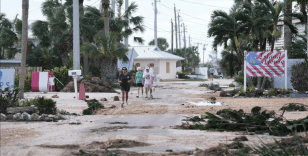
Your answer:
<point x="124" y="80"/>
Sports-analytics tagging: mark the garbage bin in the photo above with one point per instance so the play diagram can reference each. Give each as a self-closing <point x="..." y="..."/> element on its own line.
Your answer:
<point x="158" y="77"/>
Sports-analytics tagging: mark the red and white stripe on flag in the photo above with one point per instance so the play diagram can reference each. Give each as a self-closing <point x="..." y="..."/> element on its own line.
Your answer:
<point x="265" y="64"/>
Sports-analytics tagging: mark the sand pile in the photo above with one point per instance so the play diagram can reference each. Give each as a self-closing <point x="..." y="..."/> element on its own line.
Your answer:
<point x="93" y="84"/>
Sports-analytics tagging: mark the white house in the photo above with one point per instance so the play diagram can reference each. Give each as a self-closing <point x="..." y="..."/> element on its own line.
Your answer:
<point x="161" y="62"/>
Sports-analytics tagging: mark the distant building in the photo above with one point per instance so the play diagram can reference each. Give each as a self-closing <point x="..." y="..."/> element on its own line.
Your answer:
<point x="161" y="62"/>
<point x="279" y="43"/>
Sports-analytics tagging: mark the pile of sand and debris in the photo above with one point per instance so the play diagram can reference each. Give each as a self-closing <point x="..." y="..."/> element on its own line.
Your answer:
<point x="93" y="84"/>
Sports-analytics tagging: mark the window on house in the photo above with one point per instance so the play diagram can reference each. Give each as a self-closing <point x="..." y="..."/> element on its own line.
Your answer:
<point x="137" y="64"/>
<point x="167" y="67"/>
<point x="151" y="64"/>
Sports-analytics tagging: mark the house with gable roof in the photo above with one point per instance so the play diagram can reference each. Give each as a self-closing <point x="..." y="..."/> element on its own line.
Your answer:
<point x="161" y="62"/>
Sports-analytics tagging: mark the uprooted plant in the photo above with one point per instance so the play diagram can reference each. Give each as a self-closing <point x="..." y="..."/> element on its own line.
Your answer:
<point x="257" y="122"/>
<point x="93" y="105"/>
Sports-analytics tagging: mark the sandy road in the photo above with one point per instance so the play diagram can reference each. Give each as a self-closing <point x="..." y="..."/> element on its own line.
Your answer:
<point x="160" y="113"/>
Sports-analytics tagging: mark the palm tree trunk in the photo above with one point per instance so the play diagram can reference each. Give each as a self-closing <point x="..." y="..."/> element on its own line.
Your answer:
<point x="84" y="39"/>
<point x="24" y="41"/>
<point x="304" y="13"/>
<point x="273" y="44"/>
<point x="287" y="30"/>
<point x="106" y="4"/>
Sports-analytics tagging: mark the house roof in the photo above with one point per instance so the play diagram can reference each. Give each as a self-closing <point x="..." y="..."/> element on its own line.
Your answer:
<point x="10" y="61"/>
<point x="152" y="52"/>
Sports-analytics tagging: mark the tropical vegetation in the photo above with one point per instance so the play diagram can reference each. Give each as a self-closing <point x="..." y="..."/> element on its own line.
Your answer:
<point x="251" y="26"/>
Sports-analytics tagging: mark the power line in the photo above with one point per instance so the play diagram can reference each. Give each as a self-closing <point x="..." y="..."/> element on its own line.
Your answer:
<point x="203" y="4"/>
<point x="183" y="13"/>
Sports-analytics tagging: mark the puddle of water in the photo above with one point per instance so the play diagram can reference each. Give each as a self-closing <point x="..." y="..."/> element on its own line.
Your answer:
<point x="206" y="103"/>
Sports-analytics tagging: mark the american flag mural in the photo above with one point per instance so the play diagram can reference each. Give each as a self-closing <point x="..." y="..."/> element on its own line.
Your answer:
<point x="265" y="64"/>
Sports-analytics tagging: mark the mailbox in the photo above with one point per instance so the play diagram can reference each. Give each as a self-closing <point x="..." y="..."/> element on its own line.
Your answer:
<point x="74" y="72"/>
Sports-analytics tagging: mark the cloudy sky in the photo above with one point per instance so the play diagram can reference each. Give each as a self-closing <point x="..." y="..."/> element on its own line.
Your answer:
<point x="194" y="14"/>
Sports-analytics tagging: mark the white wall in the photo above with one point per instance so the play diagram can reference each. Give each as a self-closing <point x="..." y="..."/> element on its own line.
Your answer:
<point x="163" y="69"/>
<point x="144" y="63"/>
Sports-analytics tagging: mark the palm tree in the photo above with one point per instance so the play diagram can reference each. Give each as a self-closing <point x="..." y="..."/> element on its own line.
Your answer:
<point x="273" y="11"/>
<point x="225" y="27"/>
<point x="287" y="31"/>
<point x="224" y="62"/>
<point x="161" y="43"/>
<point x="25" y="11"/>
<point x="8" y="36"/>
<point x="105" y="4"/>
<point x="104" y="48"/>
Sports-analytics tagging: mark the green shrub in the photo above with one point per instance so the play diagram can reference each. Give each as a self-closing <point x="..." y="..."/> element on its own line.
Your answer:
<point x="272" y="92"/>
<point x="181" y="75"/>
<point x="93" y="104"/>
<point x="28" y="80"/>
<point x="193" y="72"/>
<point x="46" y="106"/>
<point x="239" y="78"/>
<point x="284" y="91"/>
<point x="27" y="103"/>
<point x="231" y="85"/>
<point x="203" y="85"/>
<point x="8" y="99"/>
<point x="242" y="92"/>
<point x="252" y="88"/>
<point x="233" y="92"/>
<point x="299" y="77"/>
<point x="62" y="75"/>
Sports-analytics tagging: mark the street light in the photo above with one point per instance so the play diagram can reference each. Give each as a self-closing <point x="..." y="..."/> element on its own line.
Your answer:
<point x="203" y="52"/>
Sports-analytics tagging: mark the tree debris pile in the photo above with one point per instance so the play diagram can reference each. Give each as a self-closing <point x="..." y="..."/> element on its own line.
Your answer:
<point x="224" y="149"/>
<point x="93" y="84"/>
<point x="255" y="122"/>
<point x="294" y="107"/>
<point x="193" y="119"/>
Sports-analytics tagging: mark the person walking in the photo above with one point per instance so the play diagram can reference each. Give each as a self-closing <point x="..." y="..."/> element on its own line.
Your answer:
<point x="139" y="81"/>
<point x="212" y="73"/>
<point x="148" y="81"/>
<point x="124" y="80"/>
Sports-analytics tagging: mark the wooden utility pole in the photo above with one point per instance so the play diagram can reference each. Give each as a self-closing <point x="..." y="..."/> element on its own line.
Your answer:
<point x="176" y="38"/>
<point x="24" y="45"/>
<point x="171" y="36"/>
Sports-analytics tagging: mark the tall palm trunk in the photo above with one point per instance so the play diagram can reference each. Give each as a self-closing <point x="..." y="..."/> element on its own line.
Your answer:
<point x="84" y="39"/>
<point x="287" y="30"/>
<point x="24" y="41"/>
<point x="273" y="39"/>
<point x="106" y="4"/>
<point x="304" y="13"/>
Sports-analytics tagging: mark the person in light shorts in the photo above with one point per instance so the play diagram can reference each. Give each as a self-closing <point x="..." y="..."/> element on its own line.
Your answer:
<point x="139" y="81"/>
<point x="148" y="81"/>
